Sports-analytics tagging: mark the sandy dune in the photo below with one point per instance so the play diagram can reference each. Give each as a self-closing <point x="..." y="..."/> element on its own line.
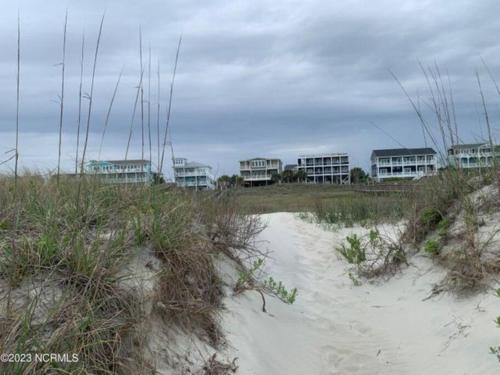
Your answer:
<point x="338" y="328"/>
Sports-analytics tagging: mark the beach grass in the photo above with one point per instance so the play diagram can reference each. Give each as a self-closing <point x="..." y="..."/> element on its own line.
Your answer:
<point x="331" y="204"/>
<point x="63" y="248"/>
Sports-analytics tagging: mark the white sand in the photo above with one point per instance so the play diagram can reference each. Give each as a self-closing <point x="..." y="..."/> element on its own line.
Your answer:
<point x="335" y="327"/>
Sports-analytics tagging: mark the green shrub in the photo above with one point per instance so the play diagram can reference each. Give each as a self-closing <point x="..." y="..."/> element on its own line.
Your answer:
<point x="432" y="247"/>
<point x="353" y="252"/>
<point x="430" y="217"/>
<point x="443" y="226"/>
<point x="280" y="290"/>
<point x="373" y="254"/>
<point x="246" y="276"/>
<point x="247" y="280"/>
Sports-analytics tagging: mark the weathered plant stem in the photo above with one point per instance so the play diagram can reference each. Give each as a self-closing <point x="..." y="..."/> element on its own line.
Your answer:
<point x="158" y="119"/>
<point x="61" y="112"/>
<point x="109" y="113"/>
<point x="142" y="96"/>
<point x="169" y="108"/>
<point x="133" y="115"/>
<point x="149" y="107"/>
<point x="91" y="96"/>
<point x="488" y="127"/>
<point x="79" y="105"/>
<point x="17" y="98"/>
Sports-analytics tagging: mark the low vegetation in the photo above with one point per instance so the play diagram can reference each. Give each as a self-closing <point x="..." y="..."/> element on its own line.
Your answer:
<point x="362" y="208"/>
<point x="252" y="278"/>
<point x="333" y="204"/>
<point x="373" y="254"/>
<point x="63" y="251"/>
<point x="450" y="216"/>
<point x="432" y="247"/>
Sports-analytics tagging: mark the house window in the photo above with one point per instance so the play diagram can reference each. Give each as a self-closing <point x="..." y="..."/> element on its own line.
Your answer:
<point x="409" y="159"/>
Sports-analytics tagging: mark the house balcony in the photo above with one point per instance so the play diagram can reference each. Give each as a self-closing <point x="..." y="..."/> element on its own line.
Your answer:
<point x="257" y="178"/>
<point x="404" y="174"/>
<point x="127" y="180"/>
<point x="117" y="170"/>
<point x="191" y="174"/>
<point x="193" y="184"/>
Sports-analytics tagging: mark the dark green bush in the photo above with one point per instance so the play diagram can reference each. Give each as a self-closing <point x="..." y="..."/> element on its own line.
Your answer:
<point x="432" y="247"/>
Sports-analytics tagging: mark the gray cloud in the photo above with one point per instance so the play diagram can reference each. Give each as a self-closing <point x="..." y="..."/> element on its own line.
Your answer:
<point x="255" y="78"/>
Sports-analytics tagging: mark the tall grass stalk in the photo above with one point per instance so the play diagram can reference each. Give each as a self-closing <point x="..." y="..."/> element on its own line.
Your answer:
<point x="79" y="121"/>
<point x="149" y="107"/>
<point x="17" y="98"/>
<point x="169" y="108"/>
<point x="423" y="122"/>
<point x="142" y="95"/>
<point x="61" y="98"/>
<point x="488" y="127"/>
<point x="134" y="110"/>
<point x="108" y="113"/>
<point x="91" y="94"/>
<point x="158" y="108"/>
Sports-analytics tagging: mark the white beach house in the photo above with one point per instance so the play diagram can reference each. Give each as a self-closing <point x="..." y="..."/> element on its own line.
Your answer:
<point x="121" y="171"/>
<point x="330" y="168"/>
<point x="473" y="155"/>
<point x="193" y="175"/>
<point x="259" y="171"/>
<point x="404" y="163"/>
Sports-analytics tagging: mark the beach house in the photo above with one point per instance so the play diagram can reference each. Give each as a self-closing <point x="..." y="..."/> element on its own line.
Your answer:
<point x="121" y="171"/>
<point x="194" y="175"/>
<point x="403" y="163"/>
<point x="259" y="171"/>
<point x="473" y="155"/>
<point x="328" y="168"/>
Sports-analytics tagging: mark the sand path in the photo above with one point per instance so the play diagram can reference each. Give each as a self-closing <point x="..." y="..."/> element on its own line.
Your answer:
<point x="338" y="328"/>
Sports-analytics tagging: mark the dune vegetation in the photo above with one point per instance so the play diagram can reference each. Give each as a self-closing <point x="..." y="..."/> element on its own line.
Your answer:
<point x="66" y="282"/>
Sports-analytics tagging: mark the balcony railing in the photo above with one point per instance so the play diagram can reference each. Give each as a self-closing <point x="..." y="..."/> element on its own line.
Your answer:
<point x="402" y="163"/>
<point x="405" y="174"/>
<point x="194" y="184"/>
<point x="116" y="170"/>
<point x="192" y="174"/>
<point x="138" y="180"/>
<point x="257" y="178"/>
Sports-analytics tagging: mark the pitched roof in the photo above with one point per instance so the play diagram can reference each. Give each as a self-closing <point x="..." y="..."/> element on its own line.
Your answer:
<point x="121" y="162"/>
<point x="403" y="151"/>
<point x="193" y="164"/>
<point x="324" y="155"/>
<point x="289" y="167"/>
<point x="469" y="145"/>
<point x="261" y="159"/>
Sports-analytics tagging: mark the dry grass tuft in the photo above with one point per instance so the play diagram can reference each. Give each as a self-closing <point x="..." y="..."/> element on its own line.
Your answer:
<point x="215" y="367"/>
<point x="62" y="256"/>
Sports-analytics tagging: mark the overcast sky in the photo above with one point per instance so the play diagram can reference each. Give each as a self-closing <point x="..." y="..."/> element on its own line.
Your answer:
<point x="255" y="78"/>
